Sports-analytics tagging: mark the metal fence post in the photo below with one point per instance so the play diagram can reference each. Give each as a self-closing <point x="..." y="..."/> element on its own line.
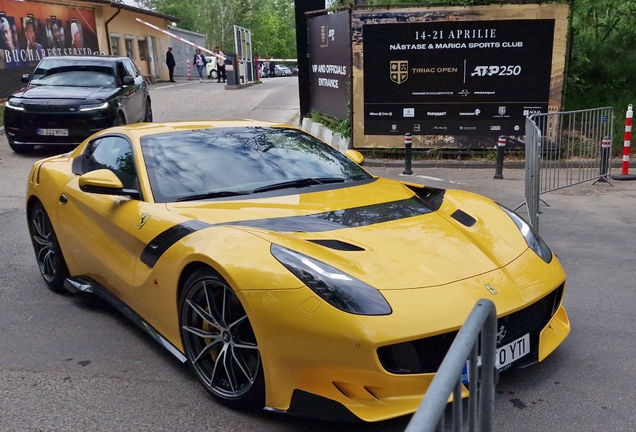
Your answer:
<point x="408" y="144"/>
<point x="606" y="149"/>
<point x="501" y="147"/>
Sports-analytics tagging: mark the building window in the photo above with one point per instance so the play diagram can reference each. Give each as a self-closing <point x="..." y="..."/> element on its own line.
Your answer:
<point x="143" y="49"/>
<point x="130" y="52"/>
<point x="115" y="43"/>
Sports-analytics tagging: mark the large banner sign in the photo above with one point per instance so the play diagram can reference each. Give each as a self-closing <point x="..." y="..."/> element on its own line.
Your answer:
<point x="330" y="64"/>
<point x="455" y="76"/>
<point x="31" y="31"/>
<point x="464" y="78"/>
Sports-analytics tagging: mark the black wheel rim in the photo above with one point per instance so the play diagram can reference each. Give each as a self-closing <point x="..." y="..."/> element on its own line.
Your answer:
<point x="219" y="340"/>
<point x="42" y="235"/>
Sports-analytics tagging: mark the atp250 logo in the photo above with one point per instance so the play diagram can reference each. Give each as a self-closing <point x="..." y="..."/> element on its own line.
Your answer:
<point x="496" y="70"/>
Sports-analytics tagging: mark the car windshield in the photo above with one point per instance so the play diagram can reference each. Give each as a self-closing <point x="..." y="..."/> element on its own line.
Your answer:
<point x="224" y="162"/>
<point x="75" y="75"/>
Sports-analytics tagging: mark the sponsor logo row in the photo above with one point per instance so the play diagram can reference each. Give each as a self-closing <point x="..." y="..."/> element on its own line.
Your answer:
<point x="502" y="111"/>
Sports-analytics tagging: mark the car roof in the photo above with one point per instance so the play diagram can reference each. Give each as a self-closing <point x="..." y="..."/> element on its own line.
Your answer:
<point x="89" y="59"/>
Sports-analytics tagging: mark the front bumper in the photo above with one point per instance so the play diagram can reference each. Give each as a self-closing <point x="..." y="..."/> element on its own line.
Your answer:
<point x="307" y="346"/>
<point x="21" y="127"/>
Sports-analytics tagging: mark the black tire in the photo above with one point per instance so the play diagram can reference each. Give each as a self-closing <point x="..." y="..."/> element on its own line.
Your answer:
<point x="214" y="74"/>
<point x="219" y="341"/>
<point x="148" y="112"/>
<point x="120" y="120"/>
<point x="48" y="253"/>
<point x="21" y="148"/>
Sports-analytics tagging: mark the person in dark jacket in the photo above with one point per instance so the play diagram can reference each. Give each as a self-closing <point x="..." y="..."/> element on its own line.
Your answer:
<point x="199" y="61"/>
<point x="170" y="63"/>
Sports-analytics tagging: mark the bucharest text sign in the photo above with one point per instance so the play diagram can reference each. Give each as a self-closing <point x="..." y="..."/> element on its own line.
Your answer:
<point x="30" y="31"/>
<point x="330" y="64"/>
<point x="456" y="77"/>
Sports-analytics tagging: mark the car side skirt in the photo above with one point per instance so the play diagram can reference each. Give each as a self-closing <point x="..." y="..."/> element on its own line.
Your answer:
<point x="88" y="285"/>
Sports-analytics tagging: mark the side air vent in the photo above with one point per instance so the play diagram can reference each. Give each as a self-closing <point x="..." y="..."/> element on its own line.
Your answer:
<point x="338" y="245"/>
<point x="464" y="218"/>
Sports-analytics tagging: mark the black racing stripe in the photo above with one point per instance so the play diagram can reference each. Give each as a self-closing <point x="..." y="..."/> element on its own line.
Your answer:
<point x="340" y="219"/>
<point x="163" y="241"/>
<point x="319" y="222"/>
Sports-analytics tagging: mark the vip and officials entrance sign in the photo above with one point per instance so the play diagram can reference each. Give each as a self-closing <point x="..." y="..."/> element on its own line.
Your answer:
<point x="456" y="77"/>
<point x="330" y="64"/>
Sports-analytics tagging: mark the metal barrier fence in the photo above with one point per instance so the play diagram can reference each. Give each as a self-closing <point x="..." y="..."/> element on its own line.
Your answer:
<point x="429" y="417"/>
<point x="564" y="149"/>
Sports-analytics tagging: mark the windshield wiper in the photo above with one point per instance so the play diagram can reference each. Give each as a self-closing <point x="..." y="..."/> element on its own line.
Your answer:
<point x="209" y="195"/>
<point x="303" y="182"/>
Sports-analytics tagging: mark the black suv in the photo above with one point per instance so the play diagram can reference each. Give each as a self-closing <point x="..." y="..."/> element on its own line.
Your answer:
<point x="67" y="99"/>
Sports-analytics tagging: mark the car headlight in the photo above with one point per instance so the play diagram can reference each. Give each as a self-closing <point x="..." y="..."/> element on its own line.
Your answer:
<point x="12" y="104"/>
<point x="535" y="242"/>
<point x="335" y="287"/>
<point x="94" y="107"/>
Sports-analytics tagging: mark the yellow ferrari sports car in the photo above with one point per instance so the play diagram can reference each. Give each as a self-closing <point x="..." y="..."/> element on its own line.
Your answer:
<point x="287" y="276"/>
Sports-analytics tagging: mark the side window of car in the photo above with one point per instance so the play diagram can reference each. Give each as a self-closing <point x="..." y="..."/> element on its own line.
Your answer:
<point x="113" y="153"/>
<point x="131" y="70"/>
<point x="121" y="71"/>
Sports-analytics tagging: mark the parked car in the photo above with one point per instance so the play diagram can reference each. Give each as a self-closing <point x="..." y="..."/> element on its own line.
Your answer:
<point x="68" y="99"/>
<point x="282" y="272"/>
<point x="282" y="71"/>
<point x="211" y="67"/>
<point x="294" y="70"/>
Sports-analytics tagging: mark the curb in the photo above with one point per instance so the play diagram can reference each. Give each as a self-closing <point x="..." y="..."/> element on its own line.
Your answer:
<point x="440" y="164"/>
<point x="395" y="163"/>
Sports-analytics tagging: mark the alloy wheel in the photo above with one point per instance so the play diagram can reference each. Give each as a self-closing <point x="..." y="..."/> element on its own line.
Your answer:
<point x="43" y="243"/>
<point x="219" y="340"/>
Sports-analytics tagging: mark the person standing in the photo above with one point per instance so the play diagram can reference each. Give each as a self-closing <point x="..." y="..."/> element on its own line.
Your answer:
<point x="220" y="64"/>
<point x="200" y="62"/>
<point x="170" y="63"/>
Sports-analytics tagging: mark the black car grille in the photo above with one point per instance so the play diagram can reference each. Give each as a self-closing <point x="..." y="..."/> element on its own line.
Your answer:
<point x="50" y="108"/>
<point x="426" y="355"/>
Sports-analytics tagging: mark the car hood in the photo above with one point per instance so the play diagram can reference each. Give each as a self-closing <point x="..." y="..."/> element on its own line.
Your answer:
<point x="64" y="92"/>
<point x="381" y="233"/>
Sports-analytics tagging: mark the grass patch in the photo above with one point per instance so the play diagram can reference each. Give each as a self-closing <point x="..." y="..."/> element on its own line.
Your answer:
<point x="1" y="114"/>
<point x="343" y="127"/>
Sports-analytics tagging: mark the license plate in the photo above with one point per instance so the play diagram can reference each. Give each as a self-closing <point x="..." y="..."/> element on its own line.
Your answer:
<point x="53" y="132"/>
<point x="505" y="355"/>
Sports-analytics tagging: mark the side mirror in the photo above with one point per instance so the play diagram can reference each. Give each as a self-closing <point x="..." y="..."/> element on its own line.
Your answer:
<point x="24" y="78"/>
<point x="105" y="182"/>
<point x="355" y="156"/>
<point x="128" y="80"/>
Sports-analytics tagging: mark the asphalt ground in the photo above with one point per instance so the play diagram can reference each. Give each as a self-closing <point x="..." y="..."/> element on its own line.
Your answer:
<point x="72" y="363"/>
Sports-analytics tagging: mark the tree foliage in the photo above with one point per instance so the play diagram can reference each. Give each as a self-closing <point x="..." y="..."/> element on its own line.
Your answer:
<point x="271" y="22"/>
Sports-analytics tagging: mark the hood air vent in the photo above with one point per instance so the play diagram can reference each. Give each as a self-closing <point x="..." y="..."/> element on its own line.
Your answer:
<point x="338" y="245"/>
<point x="464" y="218"/>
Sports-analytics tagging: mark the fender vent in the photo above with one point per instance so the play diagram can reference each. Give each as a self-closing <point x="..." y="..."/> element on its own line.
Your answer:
<point x="338" y="245"/>
<point x="464" y="218"/>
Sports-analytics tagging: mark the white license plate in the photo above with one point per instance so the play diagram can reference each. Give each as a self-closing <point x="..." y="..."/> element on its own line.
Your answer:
<point x="53" y="132"/>
<point x="506" y="355"/>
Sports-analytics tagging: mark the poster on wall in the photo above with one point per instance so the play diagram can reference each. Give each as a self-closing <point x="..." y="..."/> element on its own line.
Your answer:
<point x="456" y="77"/>
<point x="31" y="31"/>
<point x="330" y="64"/>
